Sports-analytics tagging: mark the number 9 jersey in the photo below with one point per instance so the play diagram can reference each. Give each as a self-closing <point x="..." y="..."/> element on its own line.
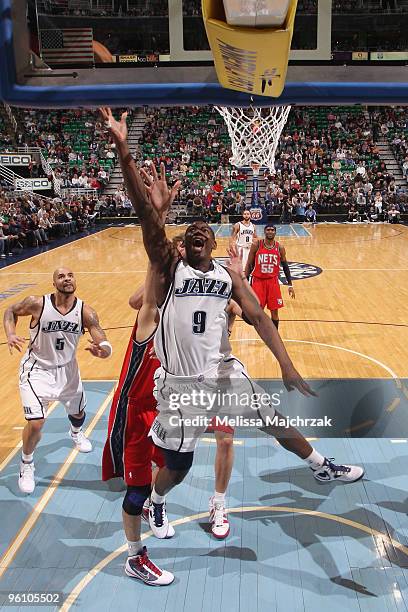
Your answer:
<point x="192" y="337"/>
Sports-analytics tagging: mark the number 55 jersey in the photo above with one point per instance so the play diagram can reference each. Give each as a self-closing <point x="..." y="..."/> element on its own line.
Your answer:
<point x="265" y="276"/>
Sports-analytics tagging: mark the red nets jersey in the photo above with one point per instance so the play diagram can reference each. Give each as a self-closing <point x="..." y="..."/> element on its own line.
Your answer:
<point x="132" y="412"/>
<point x="136" y="377"/>
<point x="267" y="261"/>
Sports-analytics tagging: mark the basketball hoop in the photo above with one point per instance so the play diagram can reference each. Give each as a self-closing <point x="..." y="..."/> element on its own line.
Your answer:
<point x="254" y="133"/>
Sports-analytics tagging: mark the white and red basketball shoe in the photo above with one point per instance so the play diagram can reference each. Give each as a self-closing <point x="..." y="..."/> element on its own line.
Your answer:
<point x="220" y="526"/>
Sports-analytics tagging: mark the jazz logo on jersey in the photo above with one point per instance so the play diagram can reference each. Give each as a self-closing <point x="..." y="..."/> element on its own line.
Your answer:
<point x="64" y="326"/>
<point x="204" y="286"/>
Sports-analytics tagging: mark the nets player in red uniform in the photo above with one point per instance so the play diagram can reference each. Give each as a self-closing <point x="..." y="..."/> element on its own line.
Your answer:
<point x="264" y="260"/>
<point x="128" y="451"/>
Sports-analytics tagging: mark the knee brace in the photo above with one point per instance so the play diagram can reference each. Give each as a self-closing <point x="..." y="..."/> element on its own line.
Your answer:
<point x="77" y="422"/>
<point x="134" y="499"/>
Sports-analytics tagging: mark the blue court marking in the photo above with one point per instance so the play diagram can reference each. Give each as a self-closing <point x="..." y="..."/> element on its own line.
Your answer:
<point x="282" y="231"/>
<point x="271" y="560"/>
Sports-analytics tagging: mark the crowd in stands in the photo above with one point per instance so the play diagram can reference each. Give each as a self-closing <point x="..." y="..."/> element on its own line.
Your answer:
<point x="73" y="142"/>
<point x="32" y="221"/>
<point x="327" y="159"/>
<point x="193" y="144"/>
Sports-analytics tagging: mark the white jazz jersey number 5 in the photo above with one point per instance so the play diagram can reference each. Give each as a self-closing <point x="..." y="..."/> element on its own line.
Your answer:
<point x="192" y="337"/>
<point x="49" y="369"/>
<point x="54" y="340"/>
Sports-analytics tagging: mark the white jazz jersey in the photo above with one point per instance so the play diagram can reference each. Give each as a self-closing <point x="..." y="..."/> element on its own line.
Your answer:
<point x="54" y="340"/>
<point x="245" y="235"/>
<point x="192" y="337"/>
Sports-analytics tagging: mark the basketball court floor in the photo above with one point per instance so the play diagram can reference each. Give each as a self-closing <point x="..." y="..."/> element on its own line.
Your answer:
<point x="295" y="545"/>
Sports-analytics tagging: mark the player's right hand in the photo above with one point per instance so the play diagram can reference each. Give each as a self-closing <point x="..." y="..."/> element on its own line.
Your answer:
<point x="293" y="380"/>
<point x="17" y="342"/>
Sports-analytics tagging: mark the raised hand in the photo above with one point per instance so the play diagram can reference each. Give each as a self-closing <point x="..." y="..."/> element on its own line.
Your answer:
<point x="159" y="193"/>
<point x="118" y="129"/>
<point x="235" y="262"/>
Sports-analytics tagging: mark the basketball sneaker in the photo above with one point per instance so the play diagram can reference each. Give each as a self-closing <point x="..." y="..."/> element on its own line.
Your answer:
<point x="220" y="526"/>
<point x="159" y="522"/>
<point x="145" y="517"/>
<point x="81" y="441"/>
<point x="142" y="568"/>
<point x="26" y="482"/>
<point x="330" y="471"/>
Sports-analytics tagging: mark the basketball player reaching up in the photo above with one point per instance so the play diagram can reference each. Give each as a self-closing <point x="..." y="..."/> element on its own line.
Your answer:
<point x="49" y="370"/>
<point x="192" y="341"/>
<point x="264" y="261"/>
<point x="243" y="235"/>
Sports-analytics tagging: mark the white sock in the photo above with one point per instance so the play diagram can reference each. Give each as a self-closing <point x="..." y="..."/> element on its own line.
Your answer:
<point x="314" y="460"/>
<point x="75" y="430"/>
<point x="27" y="458"/>
<point x="156" y="498"/>
<point x="219" y="498"/>
<point x="134" y="548"/>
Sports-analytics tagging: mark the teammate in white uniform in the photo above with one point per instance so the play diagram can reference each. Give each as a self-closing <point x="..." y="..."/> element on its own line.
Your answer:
<point x="192" y="339"/>
<point x="243" y="234"/>
<point x="49" y="370"/>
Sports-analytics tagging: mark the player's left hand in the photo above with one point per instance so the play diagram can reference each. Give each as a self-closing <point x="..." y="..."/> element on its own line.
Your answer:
<point x="97" y="351"/>
<point x="292" y="292"/>
<point x="293" y="380"/>
<point x="160" y="195"/>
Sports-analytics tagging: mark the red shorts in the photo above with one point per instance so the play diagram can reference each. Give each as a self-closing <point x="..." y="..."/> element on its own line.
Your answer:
<point x="140" y="451"/>
<point x="135" y="464"/>
<point x="268" y="292"/>
<point x="224" y="428"/>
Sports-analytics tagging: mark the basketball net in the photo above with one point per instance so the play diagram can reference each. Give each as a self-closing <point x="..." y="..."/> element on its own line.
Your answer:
<point x="254" y="133"/>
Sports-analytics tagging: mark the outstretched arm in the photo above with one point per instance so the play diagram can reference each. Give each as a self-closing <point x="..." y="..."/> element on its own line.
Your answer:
<point x="31" y="305"/>
<point x="269" y="334"/>
<point x="151" y="199"/>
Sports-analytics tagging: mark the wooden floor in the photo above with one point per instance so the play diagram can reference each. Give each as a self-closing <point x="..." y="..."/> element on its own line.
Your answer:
<point x="349" y="321"/>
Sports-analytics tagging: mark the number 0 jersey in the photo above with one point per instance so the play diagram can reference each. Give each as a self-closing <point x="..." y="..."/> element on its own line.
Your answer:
<point x="245" y="235"/>
<point x="192" y="336"/>
<point x="54" y="340"/>
<point x="267" y="261"/>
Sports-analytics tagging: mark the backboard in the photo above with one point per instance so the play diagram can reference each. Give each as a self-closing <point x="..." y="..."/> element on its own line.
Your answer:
<point x="134" y="52"/>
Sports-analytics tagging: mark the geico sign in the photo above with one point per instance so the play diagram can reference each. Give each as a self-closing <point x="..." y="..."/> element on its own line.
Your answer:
<point x="13" y="159"/>
<point x="40" y="183"/>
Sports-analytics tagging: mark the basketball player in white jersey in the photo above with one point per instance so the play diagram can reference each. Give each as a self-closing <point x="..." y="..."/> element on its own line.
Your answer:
<point x="192" y="338"/>
<point x="49" y="370"/>
<point x="243" y="234"/>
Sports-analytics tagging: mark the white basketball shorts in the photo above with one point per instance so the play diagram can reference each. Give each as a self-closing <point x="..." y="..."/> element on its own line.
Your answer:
<point x="188" y="405"/>
<point x="40" y="386"/>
